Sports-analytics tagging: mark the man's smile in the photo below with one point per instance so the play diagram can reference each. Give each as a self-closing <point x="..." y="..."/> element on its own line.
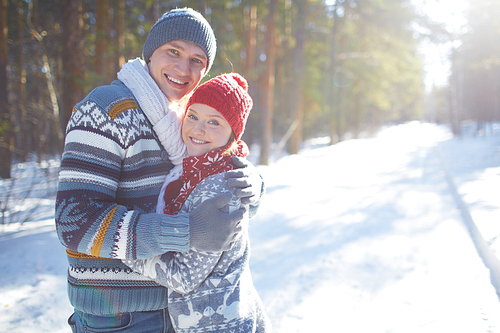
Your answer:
<point x="175" y="80"/>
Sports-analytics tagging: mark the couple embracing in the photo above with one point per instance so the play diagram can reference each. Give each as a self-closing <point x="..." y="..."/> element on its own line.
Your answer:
<point x="155" y="194"/>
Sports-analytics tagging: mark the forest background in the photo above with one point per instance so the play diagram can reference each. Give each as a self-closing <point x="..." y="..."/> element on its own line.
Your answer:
<point x="331" y="68"/>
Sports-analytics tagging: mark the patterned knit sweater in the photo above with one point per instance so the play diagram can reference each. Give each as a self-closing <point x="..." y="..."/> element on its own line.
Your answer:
<point x="112" y="170"/>
<point x="209" y="292"/>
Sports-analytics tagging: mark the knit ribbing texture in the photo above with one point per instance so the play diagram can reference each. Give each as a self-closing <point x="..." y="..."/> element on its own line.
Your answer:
<point x="183" y="24"/>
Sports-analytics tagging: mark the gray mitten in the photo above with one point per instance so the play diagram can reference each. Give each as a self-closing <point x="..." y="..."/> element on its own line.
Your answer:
<point x="212" y="230"/>
<point x="246" y="180"/>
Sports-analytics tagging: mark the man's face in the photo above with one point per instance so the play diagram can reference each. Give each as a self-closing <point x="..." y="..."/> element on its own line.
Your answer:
<point x="177" y="67"/>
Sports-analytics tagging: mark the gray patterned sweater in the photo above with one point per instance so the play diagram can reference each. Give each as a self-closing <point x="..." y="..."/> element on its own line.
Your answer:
<point x="209" y="292"/>
<point x="112" y="170"/>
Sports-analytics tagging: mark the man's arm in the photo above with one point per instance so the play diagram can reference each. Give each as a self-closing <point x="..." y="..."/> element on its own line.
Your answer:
<point x="108" y="188"/>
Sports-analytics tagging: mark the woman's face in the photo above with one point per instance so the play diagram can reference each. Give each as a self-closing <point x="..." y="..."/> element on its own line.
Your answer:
<point x="204" y="129"/>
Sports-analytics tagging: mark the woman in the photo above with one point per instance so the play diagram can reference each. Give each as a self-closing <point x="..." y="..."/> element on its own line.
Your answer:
<point x="209" y="291"/>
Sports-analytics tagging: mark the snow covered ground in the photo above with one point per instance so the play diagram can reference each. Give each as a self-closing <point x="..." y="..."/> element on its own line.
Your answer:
<point x="362" y="236"/>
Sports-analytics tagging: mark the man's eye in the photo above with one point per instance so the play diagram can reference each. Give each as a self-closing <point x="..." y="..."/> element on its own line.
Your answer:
<point x="199" y="62"/>
<point x="174" y="51"/>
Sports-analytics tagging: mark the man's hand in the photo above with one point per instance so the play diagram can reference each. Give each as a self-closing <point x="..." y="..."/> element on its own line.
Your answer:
<point x="212" y="230"/>
<point x="246" y="180"/>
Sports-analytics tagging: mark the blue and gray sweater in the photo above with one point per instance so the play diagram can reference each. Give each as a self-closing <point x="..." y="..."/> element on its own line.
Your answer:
<point x="112" y="170"/>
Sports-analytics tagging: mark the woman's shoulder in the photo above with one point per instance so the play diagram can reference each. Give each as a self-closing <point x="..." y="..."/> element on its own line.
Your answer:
<point x="214" y="184"/>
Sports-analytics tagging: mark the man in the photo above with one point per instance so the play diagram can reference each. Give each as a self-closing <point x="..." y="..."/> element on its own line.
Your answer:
<point x="119" y="147"/>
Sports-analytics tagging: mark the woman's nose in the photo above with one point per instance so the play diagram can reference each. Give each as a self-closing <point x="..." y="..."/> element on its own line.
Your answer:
<point x="199" y="128"/>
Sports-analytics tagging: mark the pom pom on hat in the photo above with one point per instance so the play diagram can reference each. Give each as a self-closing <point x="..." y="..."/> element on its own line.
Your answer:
<point x="228" y="94"/>
<point x="184" y="24"/>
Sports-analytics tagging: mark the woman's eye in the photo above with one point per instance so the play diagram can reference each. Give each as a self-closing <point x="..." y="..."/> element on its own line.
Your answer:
<point x="214" y="122"/>
<point x="190" y="116"/>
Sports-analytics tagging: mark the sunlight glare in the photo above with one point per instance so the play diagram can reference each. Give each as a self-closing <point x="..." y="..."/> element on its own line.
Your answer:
<point x="436" y="56"/>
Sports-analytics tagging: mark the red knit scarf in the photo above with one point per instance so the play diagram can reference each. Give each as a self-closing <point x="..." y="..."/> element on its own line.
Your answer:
<point x="194" y="170"/>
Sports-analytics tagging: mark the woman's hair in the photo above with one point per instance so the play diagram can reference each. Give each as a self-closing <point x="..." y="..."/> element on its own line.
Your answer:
<point x="232" y="146"/>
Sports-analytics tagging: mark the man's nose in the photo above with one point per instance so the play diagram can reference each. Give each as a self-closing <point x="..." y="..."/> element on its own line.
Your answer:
<point x="182" y="66"/>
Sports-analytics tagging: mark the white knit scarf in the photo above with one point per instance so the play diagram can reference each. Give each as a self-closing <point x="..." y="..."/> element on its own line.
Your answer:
<point x="161" y="113"/>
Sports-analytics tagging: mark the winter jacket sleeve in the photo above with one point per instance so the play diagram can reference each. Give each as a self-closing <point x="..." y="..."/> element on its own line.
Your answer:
<point x="179" y="272"/>
<point x="185" y="272"/>
<point x="111" y="173"/>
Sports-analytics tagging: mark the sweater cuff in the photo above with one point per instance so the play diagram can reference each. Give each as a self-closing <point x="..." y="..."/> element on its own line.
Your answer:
<point x="162" y="233"/>
<point x="174" y="231"/>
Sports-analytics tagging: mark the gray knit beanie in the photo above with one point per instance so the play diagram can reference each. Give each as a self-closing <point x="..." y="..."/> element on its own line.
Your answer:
<point x="181" y="24"/>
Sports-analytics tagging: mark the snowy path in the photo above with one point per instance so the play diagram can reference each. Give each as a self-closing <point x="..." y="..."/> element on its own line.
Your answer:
<point x="364" y="236"/>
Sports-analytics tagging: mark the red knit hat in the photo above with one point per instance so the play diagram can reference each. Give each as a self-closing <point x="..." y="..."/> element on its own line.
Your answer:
<point x="228" y="94"/>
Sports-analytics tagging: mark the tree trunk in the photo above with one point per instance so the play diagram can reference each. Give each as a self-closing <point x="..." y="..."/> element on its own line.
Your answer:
<point x="119" y="21"/>
<point x="251" y="39"/>
<point x="267" y="114"/>
<point x="49" y="78"/>
<point x="101" y="42"/>
<point x="331" y="82"/>
<point x="41" y="130"/>
<point x="5" y="125"/>
<point x="456" y="94"/>
<point x="20" y="112"/>
<point x="250" y="29"/>
<point x="72" y="59"/>
<point x="298" y="76"/>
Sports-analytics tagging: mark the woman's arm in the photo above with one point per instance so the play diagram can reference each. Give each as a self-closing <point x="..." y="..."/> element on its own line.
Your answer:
<point x="180" y="272"/>
<point x="185" y="272"/>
